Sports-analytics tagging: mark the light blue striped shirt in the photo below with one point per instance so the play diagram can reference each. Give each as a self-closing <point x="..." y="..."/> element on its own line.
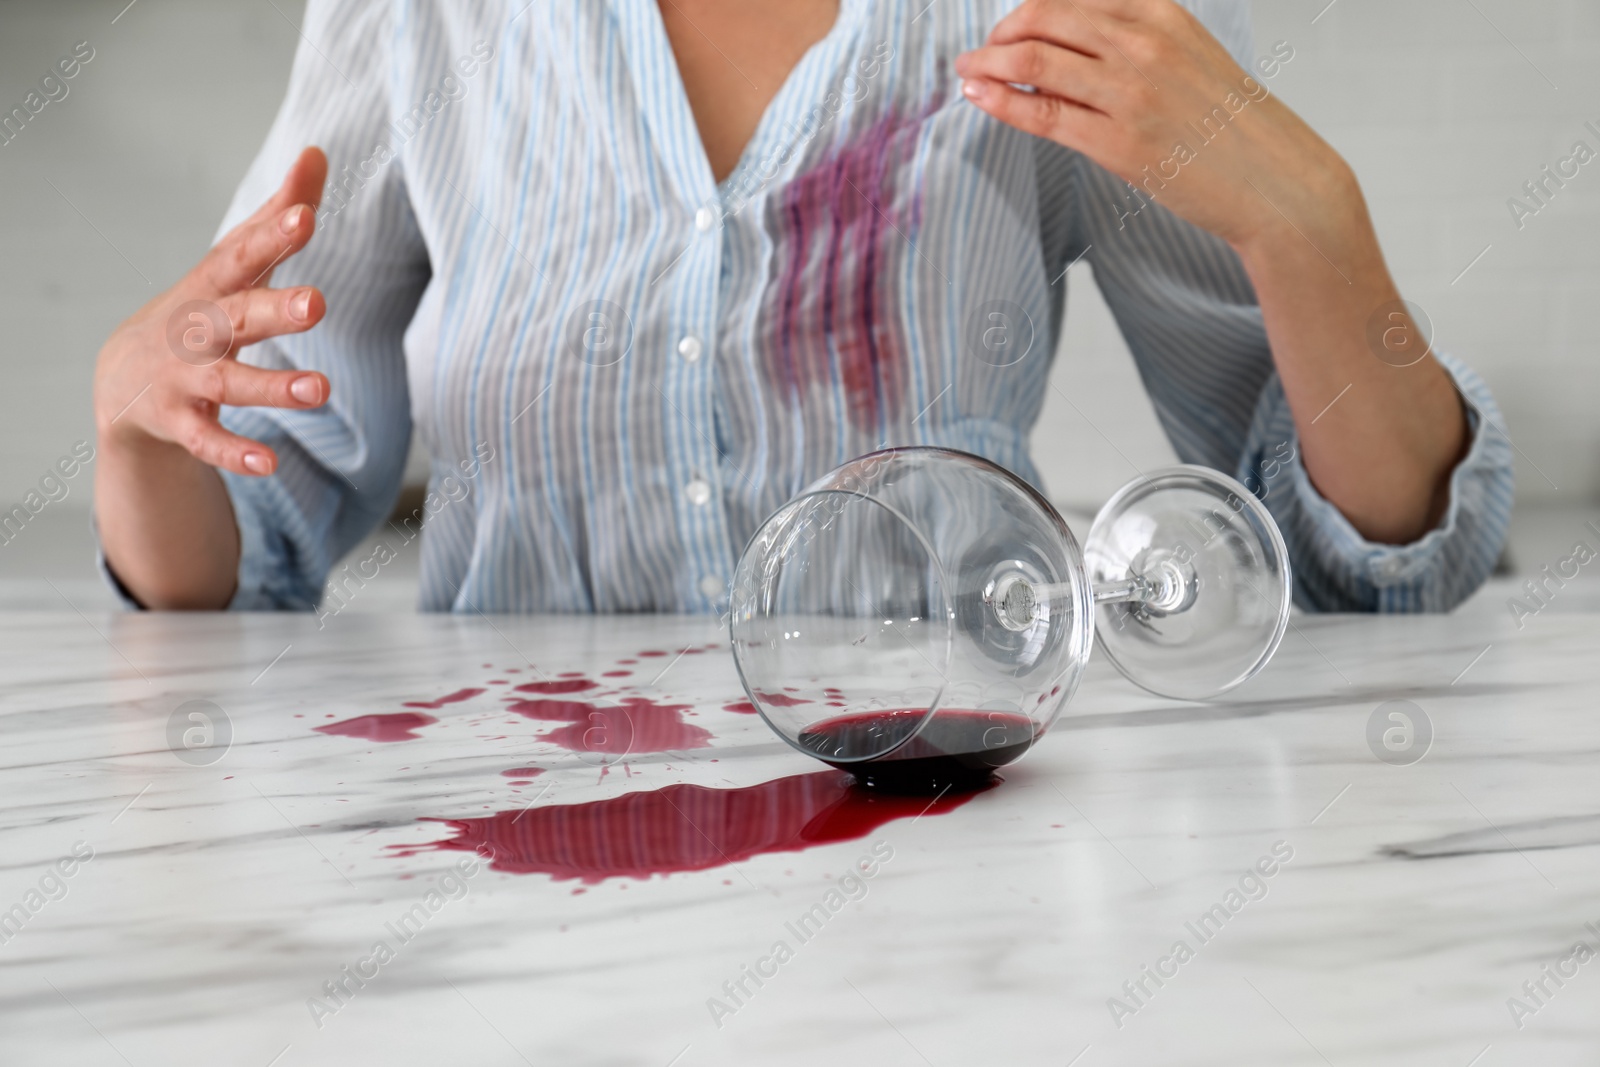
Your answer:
<point x="620" y="366"/>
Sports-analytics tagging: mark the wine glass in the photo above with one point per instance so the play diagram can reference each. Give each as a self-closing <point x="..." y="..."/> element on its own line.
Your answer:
<point x="920" y="616"/>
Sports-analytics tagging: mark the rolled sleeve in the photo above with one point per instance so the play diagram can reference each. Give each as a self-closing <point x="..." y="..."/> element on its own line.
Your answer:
<point x="110" y="576"/>
<point x="339" y="466"/>
<point x="1336" y="568"/>
<point x="270" y="578"/>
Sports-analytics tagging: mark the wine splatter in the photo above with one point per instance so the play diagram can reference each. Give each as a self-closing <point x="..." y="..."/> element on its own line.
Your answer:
<point x="680" y="827"/>
<point x="454" y="698"/>
<point x="563" y="685"/>
<point x="782" y="700"/>
<point x="396" y="726"/>
<point x="636" y="725"/>
<point x="551" y="710"/>
<point x="742" y="707"/>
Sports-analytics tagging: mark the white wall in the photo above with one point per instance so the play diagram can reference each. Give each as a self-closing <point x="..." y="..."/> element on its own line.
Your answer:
<point x="1443" y="118"/>
<point x="145" y="151"/>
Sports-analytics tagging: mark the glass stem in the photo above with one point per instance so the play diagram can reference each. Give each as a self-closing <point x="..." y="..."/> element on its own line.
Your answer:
<point x="1015" y="601"/>
<point x="1129" y="590"/>
<point x="1165" y="588"/>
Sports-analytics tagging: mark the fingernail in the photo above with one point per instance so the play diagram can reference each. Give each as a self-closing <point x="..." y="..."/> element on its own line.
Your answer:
<point x="306" y="389"/>
<point x="291" y="219"/>
<point x="256" y="463"/>
<point x="973" y="90"/>
<point x="300" y="305"/>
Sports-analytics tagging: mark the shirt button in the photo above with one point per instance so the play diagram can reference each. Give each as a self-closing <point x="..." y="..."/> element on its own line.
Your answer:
<point x="704" y="219"/>
<point x="698" y="492"/>
<point x="690" y="349"/>
<point x="711" y="586"/>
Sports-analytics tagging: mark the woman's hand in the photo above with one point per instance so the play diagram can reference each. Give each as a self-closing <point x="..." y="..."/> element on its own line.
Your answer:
<point x="165" y="373"/>
<point x="1144" y="90"/>
<point x="165" y="518"/>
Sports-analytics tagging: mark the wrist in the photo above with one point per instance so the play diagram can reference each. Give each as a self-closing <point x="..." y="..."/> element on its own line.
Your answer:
<point x="1321" y="214"/>
<point x="122" y="439"/>
<point x="115" y="432"/>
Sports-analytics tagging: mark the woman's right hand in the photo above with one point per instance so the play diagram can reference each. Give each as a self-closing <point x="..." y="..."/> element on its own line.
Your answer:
<point x="164" y="375"/>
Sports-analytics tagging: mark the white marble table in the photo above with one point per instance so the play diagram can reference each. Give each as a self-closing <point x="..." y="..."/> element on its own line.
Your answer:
<point x="221" y="897"/>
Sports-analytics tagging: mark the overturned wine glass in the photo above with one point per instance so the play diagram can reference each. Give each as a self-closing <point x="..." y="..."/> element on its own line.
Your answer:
<point x="920" y="616"/>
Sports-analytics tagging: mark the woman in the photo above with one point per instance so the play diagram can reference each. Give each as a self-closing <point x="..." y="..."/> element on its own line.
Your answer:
<point x="637" y="272"/>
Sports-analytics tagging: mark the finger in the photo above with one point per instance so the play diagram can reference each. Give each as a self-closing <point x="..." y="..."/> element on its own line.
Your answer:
<point x="247" y="256"/>
<point x="1059" y="71"/>
<point x="1060" y="22"/>
<point x="1122" y="10"/>
<point x="302" y="184"/>
<point x="257" y="314"/>
<point x="205" y="439"/>
<point x="1041" y="114"/>
<point x="244" y="386"/>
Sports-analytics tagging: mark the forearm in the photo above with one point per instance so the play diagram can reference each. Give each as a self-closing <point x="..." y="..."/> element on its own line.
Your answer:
<point x="1380" y="427"/>
<point x="166" y="524"/>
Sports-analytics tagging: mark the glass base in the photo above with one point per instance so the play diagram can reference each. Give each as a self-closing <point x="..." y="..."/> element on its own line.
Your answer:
<point x="1215" y="580"/>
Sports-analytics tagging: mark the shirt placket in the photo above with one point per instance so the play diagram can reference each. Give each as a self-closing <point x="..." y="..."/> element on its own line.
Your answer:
<point x="691" y="389"/>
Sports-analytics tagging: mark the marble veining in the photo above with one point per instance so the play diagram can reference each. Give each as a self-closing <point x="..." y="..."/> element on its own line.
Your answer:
<point x="177" y="908"/>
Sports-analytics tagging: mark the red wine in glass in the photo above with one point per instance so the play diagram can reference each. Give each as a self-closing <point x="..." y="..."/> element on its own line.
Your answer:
<point x="955" y="749"/>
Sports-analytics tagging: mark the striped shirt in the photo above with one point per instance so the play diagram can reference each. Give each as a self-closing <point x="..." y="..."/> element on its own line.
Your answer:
<point x="619" y="366"/>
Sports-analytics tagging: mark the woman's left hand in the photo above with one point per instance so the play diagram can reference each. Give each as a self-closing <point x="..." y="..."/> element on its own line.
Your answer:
<point x="1144" y="90"/>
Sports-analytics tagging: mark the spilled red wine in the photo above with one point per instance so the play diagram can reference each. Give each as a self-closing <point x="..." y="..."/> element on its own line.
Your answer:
<point x="956" y="749"/>
<point x="680" y="828"/>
